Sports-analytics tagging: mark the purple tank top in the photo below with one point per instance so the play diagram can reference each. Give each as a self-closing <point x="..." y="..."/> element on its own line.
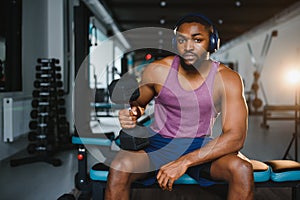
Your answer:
<point x="179" y="113"/>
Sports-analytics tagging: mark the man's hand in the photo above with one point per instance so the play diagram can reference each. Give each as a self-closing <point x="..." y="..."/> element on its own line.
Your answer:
<point x="128" y="118"/>
<point x="169" y="173"/>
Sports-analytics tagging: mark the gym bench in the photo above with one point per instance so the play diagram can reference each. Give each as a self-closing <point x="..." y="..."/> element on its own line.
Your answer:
<point x="273" y="173"/>
<point x="268" y="109"/>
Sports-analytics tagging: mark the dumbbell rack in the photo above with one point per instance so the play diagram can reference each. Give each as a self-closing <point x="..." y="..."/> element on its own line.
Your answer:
<point x="49" y="128"/>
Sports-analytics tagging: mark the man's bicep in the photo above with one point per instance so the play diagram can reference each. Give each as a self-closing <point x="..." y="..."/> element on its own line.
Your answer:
<point x="146" y="94"/>
<point x="234" y="108"/>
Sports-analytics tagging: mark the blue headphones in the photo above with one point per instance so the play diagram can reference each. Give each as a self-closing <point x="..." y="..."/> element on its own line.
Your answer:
<point x="214" y="41"/>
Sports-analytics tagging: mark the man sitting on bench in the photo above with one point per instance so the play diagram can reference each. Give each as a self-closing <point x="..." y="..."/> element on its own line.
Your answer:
<point x="190" y="90"/>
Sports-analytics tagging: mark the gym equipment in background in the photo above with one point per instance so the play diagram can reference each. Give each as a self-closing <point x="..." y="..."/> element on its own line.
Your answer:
<point x="257" y="103"/>
<point x="49" y="128"/>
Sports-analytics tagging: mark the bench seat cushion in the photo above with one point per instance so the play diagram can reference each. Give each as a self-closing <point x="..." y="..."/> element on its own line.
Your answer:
<point x="284" y="170"/>
<point x="91" y="141"/>
<point x="99" y="172"/>
<point x="261" y="171"/>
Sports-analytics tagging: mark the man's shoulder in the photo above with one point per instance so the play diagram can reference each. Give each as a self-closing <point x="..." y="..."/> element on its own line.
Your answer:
<point x="227" y="73"/>
<point x="161" y="64"/>
<point x="166" y="61"/>
<point x="157" y="71"/>
<point x="228" y="77"/>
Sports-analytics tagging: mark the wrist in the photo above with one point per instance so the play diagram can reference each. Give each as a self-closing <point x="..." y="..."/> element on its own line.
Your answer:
<point x="186" y="161"/>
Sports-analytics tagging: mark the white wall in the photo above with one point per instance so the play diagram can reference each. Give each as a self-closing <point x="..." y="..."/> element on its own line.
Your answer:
<point x="283" y="55"/>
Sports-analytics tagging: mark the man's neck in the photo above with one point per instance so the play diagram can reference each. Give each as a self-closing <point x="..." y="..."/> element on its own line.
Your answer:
<point x="197" y="68"/>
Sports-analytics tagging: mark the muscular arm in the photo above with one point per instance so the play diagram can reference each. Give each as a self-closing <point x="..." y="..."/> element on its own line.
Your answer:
<point x="234" y="128"/>
<point x="152" y="79"/>
<point x="234" y="123"/>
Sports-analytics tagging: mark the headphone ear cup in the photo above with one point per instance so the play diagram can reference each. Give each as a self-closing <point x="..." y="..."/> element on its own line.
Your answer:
<point x="213" y="43"/>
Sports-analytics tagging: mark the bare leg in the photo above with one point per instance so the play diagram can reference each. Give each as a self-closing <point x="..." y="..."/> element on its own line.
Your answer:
<point x="125" y="169"/>
<point x="238" y="172"/>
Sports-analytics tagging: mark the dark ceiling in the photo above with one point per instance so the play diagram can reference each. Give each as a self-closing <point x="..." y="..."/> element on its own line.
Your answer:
<point x="231" y="17"/>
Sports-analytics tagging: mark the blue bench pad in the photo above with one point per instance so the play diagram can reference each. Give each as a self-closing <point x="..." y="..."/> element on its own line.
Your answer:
<point x="99" y="172"/>
<point x="91" y="141"/>
<point x="284" y="170"/>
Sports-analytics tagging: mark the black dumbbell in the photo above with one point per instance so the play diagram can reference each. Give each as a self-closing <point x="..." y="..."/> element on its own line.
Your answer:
<point x="35" y="125"/>
<point x="41" y="125"/>
<point x="48" y="60"/>
<point x="34" y="136"/>
<point x="34" y="114"/>
<point x="53" y="110"/>
<point x="125" y="91"/>
<point x="44" y="102"/>
<point x="47" y="84"/>
<point x="32" y="148"/>
<point x="48" y="75"/>
<point x="37" y="103"/>
<point x="45" y="93"/>
<point x="47" y="68"/>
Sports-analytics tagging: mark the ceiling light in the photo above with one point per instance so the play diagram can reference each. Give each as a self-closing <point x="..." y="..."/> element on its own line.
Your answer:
<point x="238" y="3"/>
<point x="163" y="3"/>
<point x="162" y="21"/>
<point x="293" y="76"/>
<point x="220" y="21"/>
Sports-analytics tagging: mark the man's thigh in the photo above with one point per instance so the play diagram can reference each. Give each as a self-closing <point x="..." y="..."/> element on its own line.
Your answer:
<point x="131" y="161"/>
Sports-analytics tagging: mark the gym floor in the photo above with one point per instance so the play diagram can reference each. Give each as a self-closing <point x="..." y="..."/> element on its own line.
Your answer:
<point x="41" y="181"/>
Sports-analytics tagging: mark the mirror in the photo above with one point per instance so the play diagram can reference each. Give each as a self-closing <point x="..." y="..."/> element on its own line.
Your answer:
<point x="10" y="45"/>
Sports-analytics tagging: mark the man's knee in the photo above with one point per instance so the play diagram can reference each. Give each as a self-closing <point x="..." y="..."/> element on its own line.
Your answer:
<point x="119" y="172"/>
<point x="122" y="165"/>
<point x="241" y="170"/>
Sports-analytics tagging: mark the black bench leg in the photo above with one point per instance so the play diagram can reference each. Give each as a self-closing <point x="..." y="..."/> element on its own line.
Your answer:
<point x="98" y="190"/>
<point x="296" y="192"/>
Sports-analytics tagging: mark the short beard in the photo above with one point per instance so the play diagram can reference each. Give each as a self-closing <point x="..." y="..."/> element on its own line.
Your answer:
<point x="190" y="67"/>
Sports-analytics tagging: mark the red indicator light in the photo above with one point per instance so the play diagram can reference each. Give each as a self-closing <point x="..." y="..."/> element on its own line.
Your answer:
<point x="148" y="56"/>
<point x="79" y="156"/>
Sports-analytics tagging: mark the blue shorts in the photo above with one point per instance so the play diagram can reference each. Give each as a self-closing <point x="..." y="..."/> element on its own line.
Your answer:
<point x="164" y="150"/>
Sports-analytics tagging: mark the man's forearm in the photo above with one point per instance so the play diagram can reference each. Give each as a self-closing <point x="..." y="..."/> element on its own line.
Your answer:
<point x="218" y="147"/>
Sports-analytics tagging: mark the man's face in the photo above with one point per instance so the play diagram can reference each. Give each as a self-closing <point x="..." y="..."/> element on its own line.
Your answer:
<point x="192" y="42"/>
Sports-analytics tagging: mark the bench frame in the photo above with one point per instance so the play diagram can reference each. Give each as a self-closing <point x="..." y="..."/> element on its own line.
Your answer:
<point x="98" y="188"/>
<point x="268" y="109"/>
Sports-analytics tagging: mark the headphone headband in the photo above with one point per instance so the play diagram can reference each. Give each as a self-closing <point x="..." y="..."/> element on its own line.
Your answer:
<point x="195" y="15"/>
